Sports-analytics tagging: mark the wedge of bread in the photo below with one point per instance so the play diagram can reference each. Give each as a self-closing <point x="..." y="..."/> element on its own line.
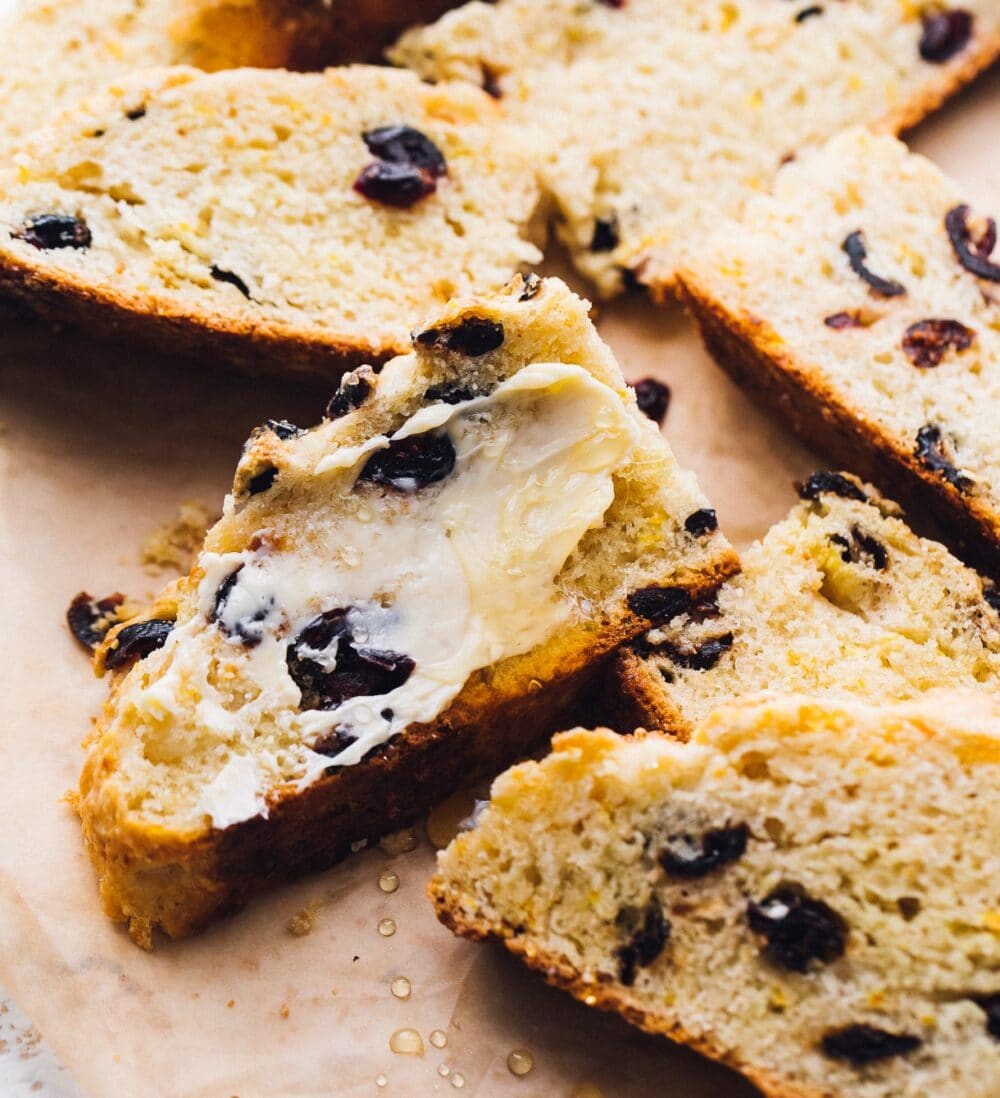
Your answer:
<point x="657" y="118"/>
<point x="394" y="603"/>
<point x="841" y="599"/>
<point x="862" y="300"/>
<point x="273" y="220"/>
<point x="53" y="53"/>
<point x="806" y="891"/>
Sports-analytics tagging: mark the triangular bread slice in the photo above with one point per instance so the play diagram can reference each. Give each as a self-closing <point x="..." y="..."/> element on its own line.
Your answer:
<point x="656" y="118"/>
<point x="273" y="220"/>
<point x="805" y="891"/>
<point x="394" y="603"/>
<point x="840" y="599"/>
<point x="53" y="54"/>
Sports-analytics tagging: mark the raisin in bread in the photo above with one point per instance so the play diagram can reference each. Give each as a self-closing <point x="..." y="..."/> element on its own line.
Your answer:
<point x="395" y="602"/>
<point x="655" y="118"/>
<point x="277" y="220"/>
<point x="841" y="599"/>
<point x="862" y="299"/>
<point x="806" y="891"/>
<point x="53" y="54"/>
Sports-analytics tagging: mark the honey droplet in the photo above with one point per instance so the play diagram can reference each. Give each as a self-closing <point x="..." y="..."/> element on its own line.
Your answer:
<point x="401" y="842"/>
<point x="389" y="882"/>
<point x="438" y="1038"/>
<point x="443" y="821"/>
<point x="381" y="1081"/>
<point x="386" y="928"/>
<point x="520" y="1062"/>
<point x="400" y="987"/>
<point x="444" y="1071"/>
<point x="407" y="1042"/>
<point x="458" y="1080"/>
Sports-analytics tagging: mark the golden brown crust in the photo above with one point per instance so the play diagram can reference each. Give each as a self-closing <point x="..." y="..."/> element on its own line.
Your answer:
<point x="634" y="697"/>
<point x="751" y="353"/>
<point x="953" y="78"/>
<point x="254" y="346"/>
<point x="500" y="715"/>
<point x="604" y="994"/>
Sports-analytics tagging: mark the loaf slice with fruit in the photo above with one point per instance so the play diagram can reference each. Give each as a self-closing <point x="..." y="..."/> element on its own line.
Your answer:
<point x="396" y="602"/>
<point x="267" y="219"/>
<point x="657" y="118"/>
<point x="805" y="891"/>
<point x="841" y="599"/>
<point x="861" y="299"/>
<point x="53" y="53"/>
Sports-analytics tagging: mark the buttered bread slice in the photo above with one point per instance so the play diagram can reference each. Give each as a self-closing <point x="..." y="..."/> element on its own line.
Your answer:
<point x="274" y="220"/>
<point x="841" y="599"/>
<point x="394" y="603"/>
<point x="806" y="891"/>
<point x="655" y="118"/>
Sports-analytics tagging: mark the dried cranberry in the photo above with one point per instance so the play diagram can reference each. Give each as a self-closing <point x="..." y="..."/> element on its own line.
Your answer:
<point x="840" y="321"/>
<point x="862" y="547"/>
<point x="605" y="237"/>
<point x="137" y="641"/>
<point x="260" y="482"/>
<point x="472" y="337"/>
<point x="928" y="341"/>
<point x="400" y="185"/>
<point x="405" y="145"/>
<point x="930" y="453"/>
<point x="702" y="521"/>
<point x="283" y="429"/>
<point x="973" y="255"/>
<point x="834" y="483"/>
<point x="359" y="671"/>
<point x="691" y="856"/>
<point x="220" y="274"/>
<point x="135" y="114"/>
<point x="530" y="285"/>
<point x="491" y="83"/>
<point x="354" y="390"/>
<point x="408" y="464"/>
<point x="653" y="398"/>
<point x="647" y="940"/>
<point x="991" y="1005"/>
<point x="864" y="1044"/>
<point x="808" y="13"/>
<point x="702" y="658"/>
<point x="250" y="628"/>
<point x="857" y="252"/>
<point x="89" y="619"/>
<point x="798" y="929"/>
<point x="945" y="34"/>
<point x="659" y="604"/>
<point x="48" y="231"/>
<point x="450" y="392"/>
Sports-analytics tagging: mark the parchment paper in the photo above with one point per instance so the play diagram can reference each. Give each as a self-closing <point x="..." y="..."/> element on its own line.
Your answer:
<point x="100" y="446"/>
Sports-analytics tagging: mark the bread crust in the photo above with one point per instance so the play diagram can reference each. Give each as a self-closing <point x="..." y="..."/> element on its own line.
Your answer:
<point x="953" y="78"/>
<point x="603" y="993"/>
<point x="751" y="352"/>
<point x="181" y="884"/>
<point x="261" y="347"/>
<point x="634" y="697"/>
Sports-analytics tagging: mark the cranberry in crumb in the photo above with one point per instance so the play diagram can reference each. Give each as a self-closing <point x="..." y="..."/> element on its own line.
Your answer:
<point x="89" y="619"/>
<point x="653" y="398"/>
<point x="49" y="231"/>
<point x="137" y="641"/>
<point x="930" y="453"/>
<point x="692" y="856"/>
<point x="355" y="388"/>
<point x="659" y="604"/>
<point x="411" y="463"/>
<point x="927" y="342"/>
<point x="797" y="928"/>
<point x="473" y="336"/>
<point x="835" y="483"/>
<point x="405" y="145"/>
<point x="945" y="34"/>
<point x="864" y="1044"/>
<point x="991" y="1006"/>
<point x="974" y="255"/>
<point x="856" y="250"/>
<point x="400" y="185"/>
<point x="605" y="237"/>
<point x="649" y="932"/>
<point x="702" y="521"/>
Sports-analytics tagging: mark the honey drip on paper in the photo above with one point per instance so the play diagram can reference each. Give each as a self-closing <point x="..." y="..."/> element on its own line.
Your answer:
<point x="400" y="987"/>
<point x="386" y="928"/>
<point x="407" y="1042"/>
<point x="389" y="882"/>
<point x="520" y="1062"/>
<point x="438" y="1038"/>
<point x="443" y="821"/>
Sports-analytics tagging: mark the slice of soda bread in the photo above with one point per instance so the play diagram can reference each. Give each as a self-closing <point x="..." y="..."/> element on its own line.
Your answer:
<point x="275" y="220"/>
<point x="806" y="891"/>
<point x="53" y="53"/>
<point x="656" y="118"/>
<point x="841" y="599"/>
<point x="862" y="300"/>
<point x="394" y="603"/>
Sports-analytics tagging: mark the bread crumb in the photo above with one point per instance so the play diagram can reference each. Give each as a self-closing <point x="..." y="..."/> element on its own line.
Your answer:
<point x="302" y="922"/>
<point x="177" y="543"/>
